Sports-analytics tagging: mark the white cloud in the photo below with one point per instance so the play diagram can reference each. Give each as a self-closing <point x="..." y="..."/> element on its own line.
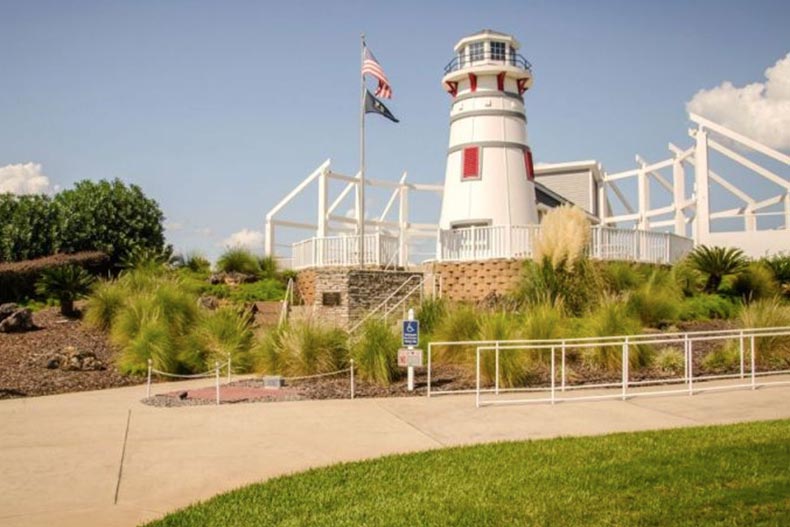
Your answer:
<point x="245" y="238"/>
<point x="174" y="226"/>
<point x="760" y="110"/>
<point x="26" y="178"/>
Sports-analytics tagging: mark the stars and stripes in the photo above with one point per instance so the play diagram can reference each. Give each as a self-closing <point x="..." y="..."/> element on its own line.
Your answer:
<point x="370" y="66"/>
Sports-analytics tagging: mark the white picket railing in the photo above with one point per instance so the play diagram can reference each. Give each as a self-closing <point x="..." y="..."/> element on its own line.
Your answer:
<point x="339" y="251"/>
<point x="517" y="241"/>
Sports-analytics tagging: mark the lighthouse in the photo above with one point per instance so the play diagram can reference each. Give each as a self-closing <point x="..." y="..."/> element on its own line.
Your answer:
<point x="489" y="179"/>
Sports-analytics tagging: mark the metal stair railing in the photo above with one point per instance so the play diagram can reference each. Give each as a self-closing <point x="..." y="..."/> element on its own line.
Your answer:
<point x="287" y="299"/>
<point x="418" y="286"/>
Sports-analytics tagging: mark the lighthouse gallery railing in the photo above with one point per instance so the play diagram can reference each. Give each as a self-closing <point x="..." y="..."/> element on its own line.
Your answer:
<point x="606" y="243"/>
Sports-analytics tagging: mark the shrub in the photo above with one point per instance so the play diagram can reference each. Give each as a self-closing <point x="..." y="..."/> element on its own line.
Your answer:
<point x="30" y="227"/>
<point x="671" y="361"/>
<point x="704" y="307"/>
<point x="716" y="263"/>
<point x="657" y="302"/>
<point x="18" y="279"/>
<point x="239" y="260"/>
<point x="153" y="340"/>
<point x="780" y="265"/>
<point x="612" y="318"/>
<point x="223" y="334"/>
<point x="67" y="284"/>
<point x="768" y="313"/>
<point x="104" y="304"/>
<point x="687" y="278"/>
<point x="723" y="359"/>
<point x="302" y="348"/>
<point x="269" y="289"/>
<point x="268" y="266"/>
<point x="755" y="282"/>
<point x="375" y="352"/>
<point x="197" y="263"/>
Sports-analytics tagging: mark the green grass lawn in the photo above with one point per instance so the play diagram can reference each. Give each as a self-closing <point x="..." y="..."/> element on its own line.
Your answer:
<point x="726" y="475"/>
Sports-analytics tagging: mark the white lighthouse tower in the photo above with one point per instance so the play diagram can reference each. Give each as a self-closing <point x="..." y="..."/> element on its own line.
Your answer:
<point x="489" y="176"/>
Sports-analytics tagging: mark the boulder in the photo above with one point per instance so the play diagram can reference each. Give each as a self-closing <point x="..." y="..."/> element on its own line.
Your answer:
<point x="232" y="278"/>
<point x="6" y="310"/>
<point x="19" y="321"/>
<point x="208" y="302"/>
<point x="71" y="359"/>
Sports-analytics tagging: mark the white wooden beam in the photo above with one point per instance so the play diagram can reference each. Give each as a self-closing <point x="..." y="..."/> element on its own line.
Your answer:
<point x="748" y="163"/>
<point x="620" y="196"/>
<point x="735" y="136"/>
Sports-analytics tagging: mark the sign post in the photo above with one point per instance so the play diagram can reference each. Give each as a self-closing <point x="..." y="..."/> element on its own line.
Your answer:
<point x="411" y="338"/>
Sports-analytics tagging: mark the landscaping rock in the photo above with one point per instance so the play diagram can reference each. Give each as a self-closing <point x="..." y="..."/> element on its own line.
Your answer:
<point x="209" y="302"/>
<point x="231" y="278"/>
<point x="19" y="321"/>
<point x="71" y="359"/>
<point x="6" y="310"/>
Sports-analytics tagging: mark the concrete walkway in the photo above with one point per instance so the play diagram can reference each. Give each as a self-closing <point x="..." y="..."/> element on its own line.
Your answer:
<point x="105" y="459"/>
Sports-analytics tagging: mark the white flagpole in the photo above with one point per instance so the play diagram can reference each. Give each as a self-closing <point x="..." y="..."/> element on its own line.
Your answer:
<point x="361" y="184"/>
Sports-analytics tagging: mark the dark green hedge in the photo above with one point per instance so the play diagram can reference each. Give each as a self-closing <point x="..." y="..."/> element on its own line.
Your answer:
<point x="18" y="279"/>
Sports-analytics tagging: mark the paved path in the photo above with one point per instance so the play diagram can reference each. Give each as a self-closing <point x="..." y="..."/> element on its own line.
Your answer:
<point x="60" y="456"/>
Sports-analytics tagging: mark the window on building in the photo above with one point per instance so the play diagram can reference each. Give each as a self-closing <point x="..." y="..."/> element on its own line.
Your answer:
<point x="512" y="55"/>
<point x="462" y="57"/>
<point x="471" y="163"/>
<point x="476" y="51"/>
<point x="498" y="51"/>
<point x="528" y="164"/>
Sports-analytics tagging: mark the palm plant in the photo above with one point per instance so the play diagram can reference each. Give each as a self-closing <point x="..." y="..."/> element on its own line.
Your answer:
<point x="66" y="283"/>
<point x="716" y="263"/>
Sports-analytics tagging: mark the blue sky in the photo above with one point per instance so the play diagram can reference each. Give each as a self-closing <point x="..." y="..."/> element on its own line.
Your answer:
<point x="217" y="109"/>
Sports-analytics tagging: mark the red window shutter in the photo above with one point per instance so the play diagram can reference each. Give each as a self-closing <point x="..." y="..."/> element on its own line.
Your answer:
<point x="500" y="81"/>
<point x="472" y="82"/>
<point x="528" y="164"/>
<point x="452" y="88"/>
<point x="471" y="163"/>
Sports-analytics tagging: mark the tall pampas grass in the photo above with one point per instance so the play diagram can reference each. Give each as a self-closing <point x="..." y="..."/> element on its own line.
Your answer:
<point x="563" y="238"/>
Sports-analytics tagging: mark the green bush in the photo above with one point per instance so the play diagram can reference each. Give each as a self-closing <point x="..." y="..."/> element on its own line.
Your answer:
<point x="67" y="284"/>
<point x="222" y="334"/>
<point x="612" y="318"/>
<point x="768" y="313"/>
<point x="30" y="227"/>
<point x="780" y="265"/>
<point x="687" y="278"/>
<point x="375" y="352"/>
<point x="152" y="339"/>
<point x="512" y="363"/>
<point x="755" y="282"/>
<point x="705" y="307"/>
<point x="302" y="348"/>
<point x="671" y="361"/>
<point x="197" y="263"/>
<point x="18" y="279"/>
<point x="268" y="266"/>
<point x="268" y="289"/>
<point x="239" y="260"/>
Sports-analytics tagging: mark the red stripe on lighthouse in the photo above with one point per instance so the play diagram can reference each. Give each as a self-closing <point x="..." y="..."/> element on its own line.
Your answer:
<point x="528" y="164"/>
<point x="472" y="82"/>
<point x="500" y="81"/>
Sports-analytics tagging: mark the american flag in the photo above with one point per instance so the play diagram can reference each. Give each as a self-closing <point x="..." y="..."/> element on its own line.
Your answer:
<point x="370" y="65"/>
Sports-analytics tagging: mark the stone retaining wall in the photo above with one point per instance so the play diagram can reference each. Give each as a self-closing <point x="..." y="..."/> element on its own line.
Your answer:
<point x="474" y="281"/>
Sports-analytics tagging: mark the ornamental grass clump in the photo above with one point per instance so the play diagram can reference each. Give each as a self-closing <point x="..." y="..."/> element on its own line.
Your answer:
<point x="302" y="348"/>
<point x="657" y="302"/>
<point x="239" y="260"/>
<point x="375" y="352"/>
<point x="755" y="282"/>
<point x="107" y="299"/>
<point x="768" y="313"/>
<point x="225" y="334"/>
<point x="461" y="323"/>
<point x="612" y="318"/>
<point x="512" y="363"/>
<point x="563" y="238"/>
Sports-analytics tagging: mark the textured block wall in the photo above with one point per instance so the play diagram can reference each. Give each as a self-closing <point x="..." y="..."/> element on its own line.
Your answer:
<point x="474" y="281"/>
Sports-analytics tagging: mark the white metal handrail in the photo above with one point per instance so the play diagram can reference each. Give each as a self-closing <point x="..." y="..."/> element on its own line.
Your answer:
<point x="582" y="342"/>
<point x="393" y="294"/>
<point x="626" y="344"/>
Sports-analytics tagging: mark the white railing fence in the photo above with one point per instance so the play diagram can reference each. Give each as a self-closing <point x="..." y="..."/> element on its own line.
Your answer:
<point x="750" y="343"/>
<point x="380" y="250"/>
<point x="518" y="241"/>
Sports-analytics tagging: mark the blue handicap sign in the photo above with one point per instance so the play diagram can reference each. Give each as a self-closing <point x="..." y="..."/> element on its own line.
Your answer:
<point x="411" y="332"/>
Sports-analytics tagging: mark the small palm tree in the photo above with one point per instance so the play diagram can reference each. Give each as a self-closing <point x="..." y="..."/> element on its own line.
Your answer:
<point x="716" y="263"/>
<point x="66" y="283"/>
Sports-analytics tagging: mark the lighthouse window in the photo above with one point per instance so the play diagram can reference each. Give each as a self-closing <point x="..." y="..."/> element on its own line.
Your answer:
<point x="512" y="55"/>
<point x="498" y="51"/>
<point x="476" y="51"/>
<point x="471" y="163"/>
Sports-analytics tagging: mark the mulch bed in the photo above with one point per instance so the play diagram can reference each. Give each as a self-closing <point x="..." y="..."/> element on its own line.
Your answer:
<point x="23" y="359"/>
